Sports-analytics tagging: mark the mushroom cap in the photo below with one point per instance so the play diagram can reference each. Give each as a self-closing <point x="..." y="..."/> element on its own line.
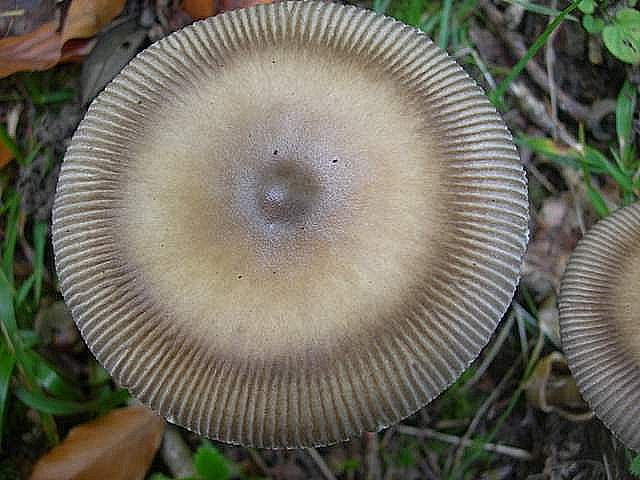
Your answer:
<point x="286" y="225"/>
<point x="600" y="321"/>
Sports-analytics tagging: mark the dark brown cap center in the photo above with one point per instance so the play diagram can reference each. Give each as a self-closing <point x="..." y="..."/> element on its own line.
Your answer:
<point x="287" y="193"/>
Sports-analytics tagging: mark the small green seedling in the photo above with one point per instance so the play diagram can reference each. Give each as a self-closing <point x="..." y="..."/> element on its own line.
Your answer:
<point x="209" y="464"/>
<point x="620" y="33"/>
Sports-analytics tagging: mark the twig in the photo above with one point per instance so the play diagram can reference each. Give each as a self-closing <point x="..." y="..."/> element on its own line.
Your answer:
<point x="550" y="57"/>
<point x="506" y="450"/>
<point x="19" y="12"/>
<point x="495" y="393"/>
<point x="533" y="170"/>
<point x="176" y="454"/>
<point x="372" y="461"/>
<point x="607" y="468"/>
<point x="321" y="464"/>
<point x="536" y="111"/>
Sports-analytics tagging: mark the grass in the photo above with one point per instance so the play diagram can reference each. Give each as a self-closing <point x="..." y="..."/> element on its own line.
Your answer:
<point x="26" y="375"/>
<point x="497" y="96"/>
<point x="28" y="378"/>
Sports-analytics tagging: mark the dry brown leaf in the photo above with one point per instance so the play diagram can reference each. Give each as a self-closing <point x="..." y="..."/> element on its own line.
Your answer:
<point x="117" y="446"/>
<point x="233" y="4"/>
<point x="44" y="47"/>
<point x="199" y="9"/>
<point x="5" y="156"/>
<point x="551" y="388"/>
<point x="86" y="17"/>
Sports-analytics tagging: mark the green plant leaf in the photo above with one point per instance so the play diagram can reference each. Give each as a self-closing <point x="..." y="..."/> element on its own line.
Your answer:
<point x="622" y="37"/>
<point x="592" y="25"/>
<point x="48" y="378"/>
<point x="55" y="406"/>
<point x="587" y="6"/>
<point x="210" y="463"/>
<point x="349" y="465"/>
<point x="635" y="467"/>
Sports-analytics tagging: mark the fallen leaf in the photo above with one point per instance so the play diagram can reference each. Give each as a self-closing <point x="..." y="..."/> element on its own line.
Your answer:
<point x="199" y="9"/>
<point x="117" y="446"/>
<point x="86" y="17"/>
<point x="234" y="4"/>
<point x="5" y="155"/>
<point x="43" y="47"/>
<point x="113" y="50"/>
<point x="551" y="388"/>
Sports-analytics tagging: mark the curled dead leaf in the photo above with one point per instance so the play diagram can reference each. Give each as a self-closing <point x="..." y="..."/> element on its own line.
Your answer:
<point x="116" y="446"/>
<point x="234" y="4"/>
<point x="199" y="9"/>
<point x="551" y="388"/>
<point x="44" y="47"/>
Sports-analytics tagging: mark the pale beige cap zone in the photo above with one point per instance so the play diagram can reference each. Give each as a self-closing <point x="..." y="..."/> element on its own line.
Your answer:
<point x="600" y="321"/>
<point x="286" y="225"/>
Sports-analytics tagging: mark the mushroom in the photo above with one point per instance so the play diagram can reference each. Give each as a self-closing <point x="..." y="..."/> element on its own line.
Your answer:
<point x="600" y="321"/>
<point x="286" y="225"/>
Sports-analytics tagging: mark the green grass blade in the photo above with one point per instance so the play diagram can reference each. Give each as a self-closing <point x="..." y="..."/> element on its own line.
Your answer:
<point x="634" y="468"/>
<point x="443" y="34"/>
<point x="541" y="9"/>
<point x="497" y="95"/>
<point x="40" y="230"/>
<point x="23" y="291"/>
<point x="625" y="108"/>
<point x="7" y="362"/>
<point x="56" y="406"/>
<point x="563" y="156"/>
<point x="595" y="158"/>
<point x="597" y="201"/>
<point x="10" y="236"/>
<point x="430" y="23"/>
<point x="408" y="11"/>
<point x="381" y="6"/>
<point x="48" y="378"/>
<point x="8" y="317"/>
<point x="31" y="156"/>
